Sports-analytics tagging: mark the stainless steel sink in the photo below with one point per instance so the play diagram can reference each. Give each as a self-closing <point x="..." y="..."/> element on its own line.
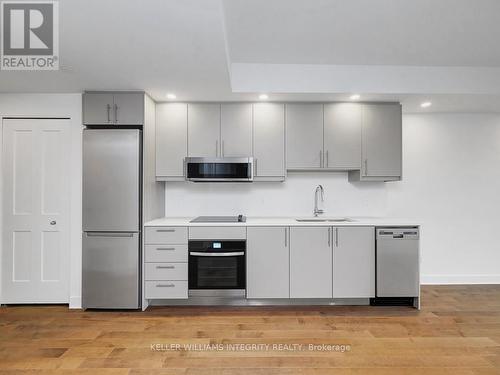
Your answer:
<point x="323" y="219"/>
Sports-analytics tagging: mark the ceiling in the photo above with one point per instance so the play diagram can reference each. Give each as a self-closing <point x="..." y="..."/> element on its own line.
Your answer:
<point x="300" y="50"/>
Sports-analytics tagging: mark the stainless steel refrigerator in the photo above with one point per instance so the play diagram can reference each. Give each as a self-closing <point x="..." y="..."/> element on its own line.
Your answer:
<point x="111" y="218"/>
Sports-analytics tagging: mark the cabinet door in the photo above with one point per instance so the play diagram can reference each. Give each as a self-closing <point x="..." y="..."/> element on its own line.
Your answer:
<point x="204" y="130"/>
<point x="236" y="130"/>
<point x="268" y="262"/>
<point x="304" y="136"/>
<point x="381" y="140"/>
<point x="310" y="262"/>
<point x="97" y="108"/>
<point x="128" y="108"/>
<point x="269" y="139"/>
<point x="354" y="262"/>
<point x="171" y="140"/>
<point x="343" y="136"/>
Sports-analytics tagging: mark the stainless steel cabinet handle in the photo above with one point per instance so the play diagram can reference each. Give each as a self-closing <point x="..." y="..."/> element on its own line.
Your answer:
<point x="165" y="230"/>
<point x="329" y="235"/>
<point x="366" y="167"/>
<point x="327" y="158"/>
<point x="222" y="148"/>
<point x="336" y="237"/>
<point x="321" y="159"/>
<point x="216" y="148"/>
<point x="165" y="267"/>
<point x="116" y="113"/>
<point x="53" y="222"/>
<point x="166" y="248"/>
<point x="108" y="107"/>
<point x="165" y="285"/>
<point x="255" y="166"/>
<point x="109" y="234"/>
<point x="286" y="240"/>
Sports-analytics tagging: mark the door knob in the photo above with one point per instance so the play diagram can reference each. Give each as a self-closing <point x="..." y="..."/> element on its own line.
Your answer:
<point x="53" y="222"/>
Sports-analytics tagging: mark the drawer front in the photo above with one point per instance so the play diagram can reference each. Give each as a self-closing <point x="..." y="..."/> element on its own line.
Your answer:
<point x="166" y="271"/>
<point x="166" y="289"/>
<point x="169" y="235"/>
<point x="166" y="253"/>
<point x="217" y="233"/>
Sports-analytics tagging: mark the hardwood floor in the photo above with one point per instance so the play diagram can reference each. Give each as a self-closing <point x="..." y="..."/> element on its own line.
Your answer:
<point x="457" y="332"/>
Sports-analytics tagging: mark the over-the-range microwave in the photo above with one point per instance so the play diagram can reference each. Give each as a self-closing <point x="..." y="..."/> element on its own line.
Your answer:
<point x="227" y="169"/>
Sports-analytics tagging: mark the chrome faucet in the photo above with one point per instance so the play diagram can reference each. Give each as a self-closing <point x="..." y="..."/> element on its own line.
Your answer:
<point x="319" y="191"/>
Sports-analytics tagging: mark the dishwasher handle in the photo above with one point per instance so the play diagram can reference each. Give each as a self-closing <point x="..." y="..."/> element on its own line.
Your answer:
<point x="398" y="233"/>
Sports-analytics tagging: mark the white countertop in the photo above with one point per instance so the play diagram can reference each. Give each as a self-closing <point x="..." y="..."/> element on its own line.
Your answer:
<point x="285" y="221"/>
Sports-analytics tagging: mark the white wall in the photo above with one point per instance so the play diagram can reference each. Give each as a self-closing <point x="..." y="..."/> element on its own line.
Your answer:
<point x="59" y="105"/>
<point x="451" y="185"/>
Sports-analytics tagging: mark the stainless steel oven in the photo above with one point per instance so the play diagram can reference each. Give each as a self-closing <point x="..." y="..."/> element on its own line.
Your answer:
<point x="217" y="265"/>
<point x="219" y="169"/>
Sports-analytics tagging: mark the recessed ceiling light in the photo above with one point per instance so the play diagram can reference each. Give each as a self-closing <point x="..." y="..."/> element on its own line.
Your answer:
<point x="171" y="96"/>
<point x="263" y="97"/>
<point x="355" y="97"/>
<point x="425" y="104"/>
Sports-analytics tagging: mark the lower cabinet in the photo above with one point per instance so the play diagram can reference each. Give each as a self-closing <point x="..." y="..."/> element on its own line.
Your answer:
<point x="353" y="262"/>
<point x="311" y="262"/>
<point x="166" y="263"/>
<point x="268" y="262"/>
<point x="166" y="289"/>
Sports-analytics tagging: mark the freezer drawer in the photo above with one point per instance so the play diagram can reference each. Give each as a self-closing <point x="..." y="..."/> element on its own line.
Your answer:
<point x="111" y="180"/>
<point x="110" y="278"/>
<point x="397" y="262"/>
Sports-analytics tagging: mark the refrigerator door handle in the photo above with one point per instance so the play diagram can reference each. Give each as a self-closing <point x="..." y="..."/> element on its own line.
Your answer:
<point x="109" y="234"/>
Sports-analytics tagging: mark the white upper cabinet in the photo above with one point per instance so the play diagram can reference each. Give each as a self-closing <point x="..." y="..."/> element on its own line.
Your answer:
<point x="342" y="136"/>
<point x="113" y="108"/>
<point x="236" y="130"/>
<point x="269" y="141"/>
<point x="353" y="262"/>
<point x="310" y="262"/>
<point x="171" y="140"/>
<point x="381" y="141"/>
<point x="304" y="136"/>
<point x="268" y="267"/>
<point x="204" y="130"/>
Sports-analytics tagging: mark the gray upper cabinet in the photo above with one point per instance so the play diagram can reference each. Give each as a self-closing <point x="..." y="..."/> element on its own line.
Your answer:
<point x="171" y="140"/>
<point x="128" y="108"/>
<point x="204" y="130"/>
<point x="381" y="143"/>
<point x="310" y="262"/>
<point x="354" y="262"/>
<point x="268" y="274"/>
<point x="97" y="108"/>
<point x="342" y="136"/>
<point x="269" y="141"/>
<point x="304" y="136"/>
<point x="236" y="130"/>
<point x="113" y="108"/>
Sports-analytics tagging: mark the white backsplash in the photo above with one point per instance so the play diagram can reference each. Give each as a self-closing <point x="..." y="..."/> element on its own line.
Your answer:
<point x="294" y="197"/>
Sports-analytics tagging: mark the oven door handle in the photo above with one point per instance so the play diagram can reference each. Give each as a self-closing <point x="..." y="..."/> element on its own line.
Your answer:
<point x="199" y="254"/>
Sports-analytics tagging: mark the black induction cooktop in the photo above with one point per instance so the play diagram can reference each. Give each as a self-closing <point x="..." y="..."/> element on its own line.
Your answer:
<point x="219" y="219"/>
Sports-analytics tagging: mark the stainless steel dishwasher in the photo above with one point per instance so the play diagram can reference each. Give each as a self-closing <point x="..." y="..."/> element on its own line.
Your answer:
<point x="397" y="258"/>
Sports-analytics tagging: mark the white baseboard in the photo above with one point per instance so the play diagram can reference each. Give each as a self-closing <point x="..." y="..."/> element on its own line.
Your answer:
<point x="459" y="279"/>
<point x="75" y="302"/>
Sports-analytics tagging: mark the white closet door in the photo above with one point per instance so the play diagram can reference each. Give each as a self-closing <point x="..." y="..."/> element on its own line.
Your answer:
<point x="35" y="251"/>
